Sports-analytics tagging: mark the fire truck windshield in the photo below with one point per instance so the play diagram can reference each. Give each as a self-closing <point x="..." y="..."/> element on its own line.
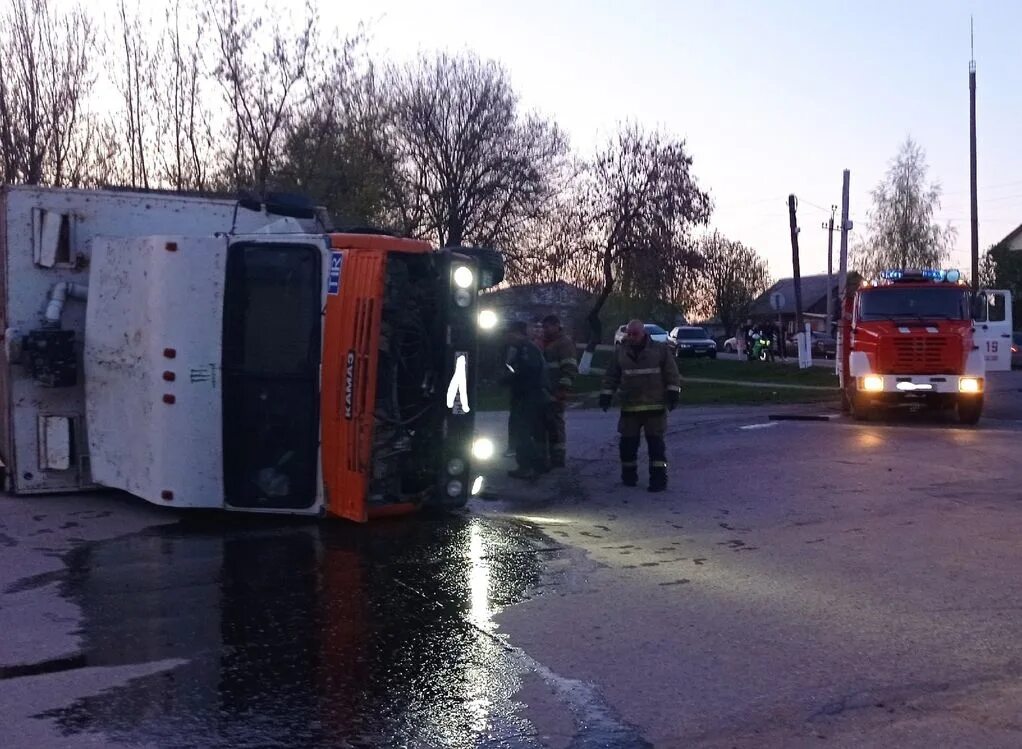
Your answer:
<point x="914" y="302"/>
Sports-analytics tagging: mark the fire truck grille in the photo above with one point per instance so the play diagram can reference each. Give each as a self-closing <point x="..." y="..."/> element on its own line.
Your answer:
<point x="919" y="354"/>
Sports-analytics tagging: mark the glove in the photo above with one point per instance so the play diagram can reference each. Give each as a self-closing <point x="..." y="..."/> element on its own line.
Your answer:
<point x="604" y="401"/>
<point x="672" y="399"/>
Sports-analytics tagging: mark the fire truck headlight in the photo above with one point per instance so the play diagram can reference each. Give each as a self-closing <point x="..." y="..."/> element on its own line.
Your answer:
<point x="970" y="385"/>
<point x="463" y="277"/>
<point x="455" y="488"/>
<point x="482" y="449"/>
<point x="487" y="319"/>
<point x="462" y="297"/>
<point x="873" y="384"/>
<point x="477" y="486"/>
<point x="456" y="466"/>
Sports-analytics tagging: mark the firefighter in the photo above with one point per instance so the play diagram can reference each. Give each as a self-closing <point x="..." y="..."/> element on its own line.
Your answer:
<point x="530" y="395"/>
<point x="647" y="376"/>
<point x="561" y="367"/>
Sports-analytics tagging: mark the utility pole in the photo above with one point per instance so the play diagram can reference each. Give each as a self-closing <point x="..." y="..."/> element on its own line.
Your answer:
<point x="972" y="162"/>
<point x="793" y="222"/>
<point x="842" y="277"/>
<point x="829" y="226"/>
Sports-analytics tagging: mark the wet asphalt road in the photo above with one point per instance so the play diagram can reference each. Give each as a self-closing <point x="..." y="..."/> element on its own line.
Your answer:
<point x="802" y="582"/>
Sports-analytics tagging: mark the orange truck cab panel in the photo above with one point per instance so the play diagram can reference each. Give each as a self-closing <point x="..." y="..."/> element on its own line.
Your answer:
<point x="398" y="376"/>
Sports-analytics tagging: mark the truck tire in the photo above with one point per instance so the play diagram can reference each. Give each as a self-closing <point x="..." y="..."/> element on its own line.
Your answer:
<point x="861" y="409"/>
<point x="970" y="409"/>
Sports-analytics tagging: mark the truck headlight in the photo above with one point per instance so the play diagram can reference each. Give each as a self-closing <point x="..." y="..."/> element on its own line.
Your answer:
<point x="482" y="449"/>
<point x="463" y="277"/>
<point x="477" y="486"/>
<point x="970" y="385"/>
<point x="873" y="384"/>
<point x="456" y="466"/>
<point x="455" y="488"/>
<point x="487" y="319"/>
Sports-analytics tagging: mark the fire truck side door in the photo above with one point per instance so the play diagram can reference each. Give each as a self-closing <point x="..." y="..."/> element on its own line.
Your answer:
<point x="993" y="325"/>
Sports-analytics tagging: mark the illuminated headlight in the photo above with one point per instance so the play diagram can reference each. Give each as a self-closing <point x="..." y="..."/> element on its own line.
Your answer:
<point x="873" y="384"/>
<point x="456" y="466"/>
<point x="970" y="385"/>
<point x="477" y="486"/>
<point x="462" y="297"/>
<point x="463" y="277"/>
<point x="455" y="488"/>
<point x="487" y="319"/>
<point x="482" y="449"/>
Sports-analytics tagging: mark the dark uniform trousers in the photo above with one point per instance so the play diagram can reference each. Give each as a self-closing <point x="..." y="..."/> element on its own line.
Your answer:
<point x="631" y="426"/>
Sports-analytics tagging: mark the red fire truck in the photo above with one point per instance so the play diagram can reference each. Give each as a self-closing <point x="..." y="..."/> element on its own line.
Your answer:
<point x="921" y="338"/>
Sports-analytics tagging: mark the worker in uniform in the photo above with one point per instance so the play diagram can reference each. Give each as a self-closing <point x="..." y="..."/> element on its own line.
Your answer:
<point x="559" y="353"/>
<point x="646" y="375"/>
<point x="530" y="395"/>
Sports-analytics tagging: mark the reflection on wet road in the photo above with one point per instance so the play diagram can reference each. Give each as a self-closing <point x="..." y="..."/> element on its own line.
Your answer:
<point x="306" y="635"/>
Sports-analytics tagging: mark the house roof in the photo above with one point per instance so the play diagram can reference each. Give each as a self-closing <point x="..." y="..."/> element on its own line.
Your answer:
<point x="1012" y="236"/>
<point x="814" y="291"/>
<point x="550" y="292"/>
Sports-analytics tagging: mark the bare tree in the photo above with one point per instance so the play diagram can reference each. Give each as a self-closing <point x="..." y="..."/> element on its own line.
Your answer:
<point x="330" y="150"/>
<point x="191" y="155"/>
<point x="45" y="79"/>
<point x="903" y="232"/>
<point x="264" y="76"/>
<point x="733" y="276"/>
<point x="470" y="165"/>
<point x="640" y="202"/>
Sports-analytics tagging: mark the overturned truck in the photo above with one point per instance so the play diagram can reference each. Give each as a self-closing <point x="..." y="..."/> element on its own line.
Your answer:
<point x="201" y="352"/>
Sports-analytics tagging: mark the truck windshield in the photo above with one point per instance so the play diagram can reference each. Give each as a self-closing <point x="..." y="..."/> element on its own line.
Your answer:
<point x="914" y="302"/>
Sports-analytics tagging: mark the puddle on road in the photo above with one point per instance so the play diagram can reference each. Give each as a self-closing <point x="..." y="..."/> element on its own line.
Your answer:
<point x="310" y="636"/>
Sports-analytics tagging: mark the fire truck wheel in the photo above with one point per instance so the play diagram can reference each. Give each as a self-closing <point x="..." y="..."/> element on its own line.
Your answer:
<point x="969" y="410"/>
<point x="862" y="409"/>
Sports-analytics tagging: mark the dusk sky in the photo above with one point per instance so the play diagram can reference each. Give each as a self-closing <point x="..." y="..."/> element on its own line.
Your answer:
<point x="772" y="97"/>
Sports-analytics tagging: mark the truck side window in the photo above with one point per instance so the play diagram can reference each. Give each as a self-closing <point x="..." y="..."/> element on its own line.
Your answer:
<point x="995" y="308"/>
<point x="979" y="309"/>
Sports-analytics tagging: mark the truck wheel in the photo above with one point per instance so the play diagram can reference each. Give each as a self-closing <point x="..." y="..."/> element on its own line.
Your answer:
<point x="861" y="408"/>
<point x="970" y="409"/>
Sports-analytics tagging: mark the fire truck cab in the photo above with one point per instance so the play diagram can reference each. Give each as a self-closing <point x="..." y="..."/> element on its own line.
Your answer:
<point x="921" y="338"/>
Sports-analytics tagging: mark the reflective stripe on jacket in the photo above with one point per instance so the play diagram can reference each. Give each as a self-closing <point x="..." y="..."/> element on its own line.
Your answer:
<point x="643" y="376"/>
<point x="560" y="361"/>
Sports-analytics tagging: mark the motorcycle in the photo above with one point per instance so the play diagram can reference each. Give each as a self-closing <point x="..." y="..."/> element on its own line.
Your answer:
<point x="761" y="349"/>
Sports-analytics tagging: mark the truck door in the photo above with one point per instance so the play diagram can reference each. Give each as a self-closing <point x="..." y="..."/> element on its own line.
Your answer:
<point x="152" y="365"/>
<point x="273" y="299"/>
<point x="993" y="329"/>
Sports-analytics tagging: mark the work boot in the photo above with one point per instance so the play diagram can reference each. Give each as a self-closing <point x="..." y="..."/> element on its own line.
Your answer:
<point x="657" y="479"/>
<point x="630" y="475"/>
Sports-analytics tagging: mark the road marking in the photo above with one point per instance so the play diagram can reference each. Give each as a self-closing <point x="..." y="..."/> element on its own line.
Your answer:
<point x="761" y="426"/>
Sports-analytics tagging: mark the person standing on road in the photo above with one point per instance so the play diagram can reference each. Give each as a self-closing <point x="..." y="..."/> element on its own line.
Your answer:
<point x="526" y="377"/>
<point x="561" y="367"/>
<point x="647" y="376"/>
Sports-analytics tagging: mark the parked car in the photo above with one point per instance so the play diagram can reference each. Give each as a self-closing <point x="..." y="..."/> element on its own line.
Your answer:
<point x="823" y="346"/>
<point x="1016" y="350"/>
<point x="654" y="331"/>
<point x="689" y="340"/>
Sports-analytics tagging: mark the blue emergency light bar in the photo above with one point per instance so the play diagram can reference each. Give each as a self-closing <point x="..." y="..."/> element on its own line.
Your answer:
<point x="927" y="274"/>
